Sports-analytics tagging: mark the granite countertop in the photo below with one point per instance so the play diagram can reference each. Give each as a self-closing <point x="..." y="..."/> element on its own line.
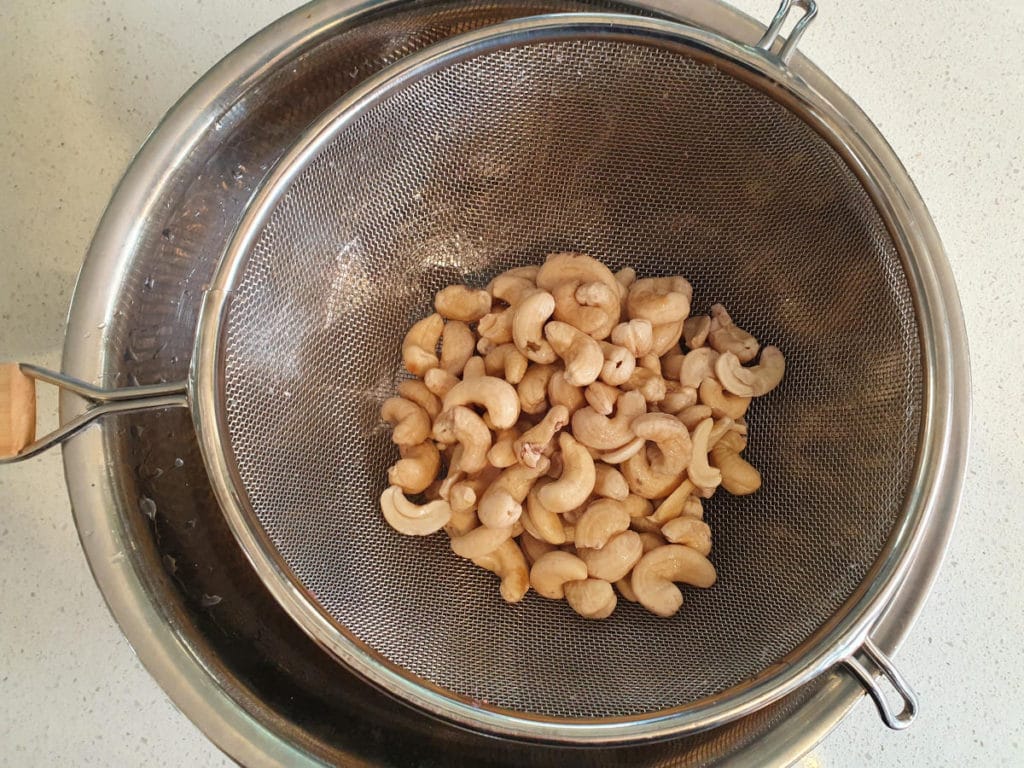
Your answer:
<point x="86" y="80"/>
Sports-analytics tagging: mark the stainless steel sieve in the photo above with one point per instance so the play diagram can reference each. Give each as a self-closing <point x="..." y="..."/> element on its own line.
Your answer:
<point x="645" y="143"/>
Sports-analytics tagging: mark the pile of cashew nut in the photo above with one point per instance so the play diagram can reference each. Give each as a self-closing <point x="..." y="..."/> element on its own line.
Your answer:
<point x="565" y="441"/>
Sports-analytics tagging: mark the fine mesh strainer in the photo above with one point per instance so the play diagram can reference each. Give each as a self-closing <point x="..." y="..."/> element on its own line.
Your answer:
<point x="644" y="143"/>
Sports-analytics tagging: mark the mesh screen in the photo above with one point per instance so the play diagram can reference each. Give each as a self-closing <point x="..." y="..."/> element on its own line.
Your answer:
<point x="641" y="157"/>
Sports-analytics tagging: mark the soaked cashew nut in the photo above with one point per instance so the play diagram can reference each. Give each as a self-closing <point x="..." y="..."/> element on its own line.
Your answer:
<point x="618" y="364"/>
<point x="654" y="574"/>
<point x="411" y="423"/>
<point x="725" y="336"/>
<point x="739" y="477"/>
<point x="503" y="453"/>
<point x="693" y="415"/>
<point x="644" y="480"/>
<point x="665" y="337"/>
<point x="541" y="521"/>
<point x="439" y="381"/>
<point x="695" y="331"/>
<point x="417" y="468"/>
<point x="561" y="392"/>
<point x="609" y="483"/>
<point x="660" y="299"/>
<point x="701" y="474"/>
<point x="697" y="366"/>
<point x="506" y="360"/>
<point x="480" y="541"/>
<point x="457" y="345"/>
<point x="671" y="364"/>
<point x="533" y="547"/>
<point x="552" y="570"/>
<point x="601" y="520"/>
<point x="512" y="289"/>
<point x="417" y="392"/>
<point x="674" y="504"/>
<point x="562" y="275"/>
<point x="670" y="436"/>
<point x="496" y="395"/>
<point x="616" y="558"/>
<point x="591" y="598"/>
<point x="533" y="388"/>
<point x="581" y="354"/>
<point x="528" y="320"/>
<point x="601" y="397"/>
<point x="625" y="277"/>
<point x="460" y="302"/>
<point x="475" y="368"/>
<point x="755" y="381"/>
<point x="496" y="327"/>
<point x="635" y="336"/>
<point x="733" y="440"/>
<point x="690" y="532"/>
<point x="508" y="564"/>
<point x="619" y="455"/>
<point x="502" y="503"/>
<point x="722" y="404"/>
<point x="461" y="425"/>
<point x="677" y="397"/>
<point x="411" y="519"/>
<point x="604" y="433"/>
<point x="648" y="384"/>
<point x="577" y="480"/>
<point x="420" y="343"/>
<point x="530" y="446"/>
<point x="624" y="588"/>
<point x="637" y="506"/>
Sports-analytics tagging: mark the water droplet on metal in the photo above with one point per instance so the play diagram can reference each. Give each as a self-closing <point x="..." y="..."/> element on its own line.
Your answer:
<point x="209" y="601"/>
<point x="147" y="507"/>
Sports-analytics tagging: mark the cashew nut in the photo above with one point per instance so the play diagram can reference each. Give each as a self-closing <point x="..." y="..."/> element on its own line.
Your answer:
<point x="725" y="336"/>
<point x="754" y="381"/>
<point x="465" y="427"/>
<point x="609" y="483"/>
<point x="739" y="477"/>
<point x="534" y="548"/>
<point x="439" y="381"/>
<point x="660" y="299"/>
<point x="644" y="480"/>
<point x="654" y="574"/>
<point x="411" y="423"/>
<point x="577" y="480"/>
<point x="511" y="289"/>
<point x="591" y="598"/>
<point x="581" y="354"/>
<point x="410" y="519"/>
<point x="617" y="366"/>
<point x="475" y="368"/>
<point x="497" y="396"/>
<point x="604" y="433"/>
<point x="625" y="277"/>
<point x="619" y="455"/>
<point x="665" y="337"/>
<point x="695" y="331"/>
<point x="648" y="384"/>
<point x="692" y="415"/>
<point x="502" y="503"/>
<point x="677" y="397"/>
<point x="652" y="540"/>
<point x="634" y="335"/>
<point x="460" y="302"/>
<point x="701" y="474"/>
<point x="625" y="589"/>
<point x="417" y="468"/>
<point x="496" y="327"/>
<point x="503" y="454"/>
<point x="562" y="275"/>
<point x="416" y="391"/>
<point x="616" y="558"/>
<point x="674" y="504"/>
<point x="528" y="326"/>
<point x="671" y="364"/>
<point x="457" y="346"/>
<point x="733" y="440"/>
<point x="552" y="570"/>
<point x="545" y="524"/>
<point x="601" y="520"/>
<point x="721" y="402"/>
<point x="697" y="366"/>
<point x="601" y="397"/>
<point x="690" y="532"/>
<point x="637" y="506"/>
<point x="561" y="392"/>
<point x="418" y="348"/>
<point x="480" y="541"/>
<point x="533" y="388"/>
<point x="508" y="564"/>
<point x="530" y="446"/>
<point x="506" y="360"/>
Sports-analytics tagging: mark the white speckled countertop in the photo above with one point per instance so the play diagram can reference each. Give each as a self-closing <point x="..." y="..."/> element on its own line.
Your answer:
<point x="84" y="81"/>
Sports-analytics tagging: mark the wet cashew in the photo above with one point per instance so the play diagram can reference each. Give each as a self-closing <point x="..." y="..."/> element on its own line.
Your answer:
<point x="416" y="391"/>
<point x="581" y="354"/>
<point x="721" y="402"/>
<point x="652" y="540"/>
<point x="511" y="289"/>
<point x="650" y="362"/>
<point x="645" y="481"/>
<point x="561" y="392"/>
<point x="502" y="454"/>
<point x="529" y="447"/>
<point x="674" y="504"/>
<point x="754" y="381"/>
<point x="619" y="455"/>
<point x="411" y="519"/>
<point x="670" y="436"/>
<point x="677" y="397"/>
<point x="695" y="331"/>
<point x="457" y="345"/>
<point x="508" y="563"/>
<point x="625" y="589"/>
<point x="609" y="483"/>
<point x="725" y="336"/>
<point x="534" y="548"/>
<point x="577" y="480"/>
<point x="671" y="364"/>
<point x="601" y="397"/>
<point x="563" y="274"/>
<point x="697" y="366"/>
<point x="616" y="558"/>
<point x="591" y="598"/>
<point x="692" y="415"/>
<point x="660" y="299"/>
<point x="648" y="384"/>
<point x="701" y="474"/>
<point x="439" y="381"/>
<point x="411" y="423"/>
<point x="604" y="433"/>
<point x="601" y="520"/>
<point x="528" y="320"/>
<point x="496" y="327"/>
<point x="690" y="532"/>
<point x="502" y="503"/>
<point x="506" y="360"/>
<point x="733" y="440"/>
<point x="654" y="574"/>
<point x="637" y="506"/>
<point x="460" y="302"/>
<point x="465" y="494"/>
<point x="665" y="337"/>
<point x="625" y="277"/>
<point x="417" y="468"/>
<point x="722" y="426"/>
<point x="480" y="541"/>
<point x="634" y="336"/>
<point x="475" y="368"/>
<point x="545" y="524"/>
<point x="739" y="477"/>
<point x="497" y="396"/>
<point x="461" y="425"/>
<point x="533" y="388"/>
<point x="618" y="364"/>
<point x="418" y="348"/>
<point x="552" y="570"/>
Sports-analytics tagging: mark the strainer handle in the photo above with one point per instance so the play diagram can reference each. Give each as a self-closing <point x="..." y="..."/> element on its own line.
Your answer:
<point x="810" y="9"/>
<point x="860" y="662"/>
<point x="18" y="407"/>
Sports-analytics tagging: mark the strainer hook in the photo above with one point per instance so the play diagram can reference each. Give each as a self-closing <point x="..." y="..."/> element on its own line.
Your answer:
<point x="810" y="9"/>
<point x="873" y="656"/>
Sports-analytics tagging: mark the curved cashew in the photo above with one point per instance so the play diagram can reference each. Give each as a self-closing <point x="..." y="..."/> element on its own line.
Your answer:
<point x="609" y="483"/>
<point x="528" y="320"/>
<point x="460" y="302"/>
<point x="561" y="392"/>
<point x="660" y="299"/>
<point x="701" y="474"/>
<point x="461" y="522"/>
<point x="411" y="423"/>
<point x="648" y="384"/>
<point x="739" y="477"/>
<point x="534" y="548"/>
<point x="697" y="366"/>
<point x="722" y="427"/>
<point x="497" y="396"/>
<point x="591" y="598"/>
<point x="475" y="368"/>
<point x="511" y="289"/>
<point x="480" y="541"/>
<point x="665" y="337"/>
<point x="733" y="440"/>
<point x="671" y="364"/>
<point x="671" y="437"/>
<point x="690" y="532"/>
<point x="506" y="360"/>
<point x="417" y="392"/>
<point x="616" y="558"/>
<point x="650" y="362"/>
<point x="439" y="381"/>
<point x="652" y="540"/>
<point x="577" y="480"/>
<point x="653" y="577"/>
<point x="625" y="589"/>
<point x="417" y="468"/>
<point x="496" y="327"/>
<point x="420" y="343"/>
<point x="606" y="434"/>
<point x="725" y="336"/>
<point x="601" y="520"/>
<point x="619" y="455"/>
<point x="695" y="331"/>
<point x="533" y="388"/>
<point x="410" y="519"/>
<point x="637" y="506"/>
<point x="541" y="521"/>
<point x="553" y="570"/>
<point x="503" y="454"/>
<point x="465" y="494"/>
<point x="722" y="404"/>
<point x="645" y="481"/>
<point x="625" y="277"/>
<point x="754" y="381"/>
<point x="581" y="354"/>
<point x="674" y="504"/>
<point x="618" y="364"/>
<point x="508" y="564"/>
<point x="601" y="397"/>
<point x="465" y="427"/>
<point x="677" y="397"/>
<point x="457" y="346"/>
<point x="563" y="274"/>
<point x="529" y="448"/>
<point x="634" y="336"/>
<point x="502" y="503"/>
<point x="692" y="415"/>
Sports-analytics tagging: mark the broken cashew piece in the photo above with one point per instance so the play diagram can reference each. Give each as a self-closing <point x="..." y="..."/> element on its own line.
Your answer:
<point x="460" y="302"/>
<point x="411" y="423"/>
<point x="582" y="355"/>
<point x="496" y="395"/>
<point x="457" y="345"/>
<point x="754" y="381"/>
<point x="529" y="447"/>
<point x="695" y="331"/>
<point x="411" y="519"/>
<point x="591" y="598"/>
<point x="552" y="570"/>
<point x="616" y="558"/>
<point x="418" y="348"/>
<point x="725" y="336"/>
<point x="417" y="468"/>
<point x="654" y="574"/>
<point x="508" y="564"/>
<point x="528" y="327"/>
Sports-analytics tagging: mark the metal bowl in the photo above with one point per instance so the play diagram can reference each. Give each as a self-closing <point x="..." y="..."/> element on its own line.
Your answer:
<point x="176" y="581"/>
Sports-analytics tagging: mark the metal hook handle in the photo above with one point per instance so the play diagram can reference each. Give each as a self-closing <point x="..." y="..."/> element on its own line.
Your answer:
<point x="895" y="720"/>
<point x="18" y="407"/>
<point x="810" y="9"/>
